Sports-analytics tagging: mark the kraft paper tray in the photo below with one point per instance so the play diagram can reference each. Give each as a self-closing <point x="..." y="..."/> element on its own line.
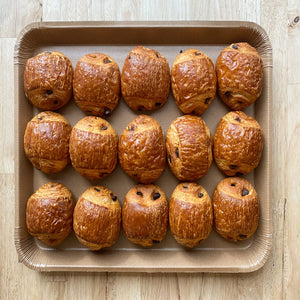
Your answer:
<point x="116" y="39"/>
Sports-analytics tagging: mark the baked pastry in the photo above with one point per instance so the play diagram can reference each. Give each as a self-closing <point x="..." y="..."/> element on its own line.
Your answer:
<point x="189" y="148"/>
<point x="145" y="79"/>
<point x="194" y="81"/>
<point x="240" y="75"/>
<point x="235" y="207"/>
<point x="93" y="147"/>
<point x="97" y="218"/>
<point x="49" y="213"/>
<point x="238" y="144"/>
<point x="145" y="215"/>
<point x="48" y="80"/>
<point x="97" y="84"/>
<point x="142" y="151"/>
<point x="46" y="142"/>
<point x="190" y="214"/>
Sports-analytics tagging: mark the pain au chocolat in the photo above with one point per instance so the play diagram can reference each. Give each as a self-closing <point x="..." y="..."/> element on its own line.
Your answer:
<point x="238" y="144"/>
<point x="97" y="218"/>
<point x="189" y="148"/>
<point x="48" y="79"/>
<point x="145" y="215"/>
<point x="236" y="209"/>
<point x="190" y="214"/>
<point x="240" y="75"/>
<point x="97" y="84"/>
<point x="93" y="147"/>
<point x="49" y="213"/>
<point x="46" y="142"/>
<point x="194" y="81"/>
<point x="142" y="150"/>
<point x="145" y="79"/>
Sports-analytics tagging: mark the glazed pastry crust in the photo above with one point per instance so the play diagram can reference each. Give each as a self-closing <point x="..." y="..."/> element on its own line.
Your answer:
<point x="97" y="84"/>
<point x="145" y="79"/>
<point x="145" y="220"/>
<point x="46" y="142"/>
<point x="189" y="148"/>
<point x="190" y="214"/>
<point x="194" y="81"/>
<point x="97" y="218"/>
<point x="235" y="216"/>
<point x="142" y="151"/>
<point x="238" y="144"/>
<point x="48" y="80"/>
<point x="240" y="75"/>
<point x="93" y="147"/>
<point x="49" y="213"/>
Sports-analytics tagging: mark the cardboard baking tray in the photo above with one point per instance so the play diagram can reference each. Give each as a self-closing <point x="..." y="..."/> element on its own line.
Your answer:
<point x="116" y="39"/>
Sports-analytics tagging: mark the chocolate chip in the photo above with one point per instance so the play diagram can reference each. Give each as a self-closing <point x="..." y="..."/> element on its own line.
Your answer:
<point x="48" y="52"/>
<point x="89" y="111"/>
<point x="200" y="195"/>
<point x="134" y="175"/>
<point x="227" y="94"/>
<point x="180" y="51"/>
<point x="237" y="119"/>
<point x="107" y="60"/>
<point x="233" y="184"/>
<point x="156" y="196"/>
<point x="157" y="104"/>
<point x="155" y="241"/>
<point x="157" y="55"/>
<point x="198" y="53"/>
<point x="55" y="101"/>
<point x="184" y="186"/>
<point x="96" y="189"/>
<point x="49" y="92"/>
<point x="242" y="236"/>
<point x="245" y="192"/>
<point x="139" y="193"/>
<point x="240" y="102"/>
<point x="114" y="198"/>
<point x="141" y="107"/>
<point x="239" y="174"/>
<point x="131" y="128"/>
<point x="207" y="100"/>
<point x="129" y="57"/>
<point x="107" y="111"/>
<point x="177" y="152"/>
<point x="208" y="142"/>
<point x="193" y="112"/>
<point x="296" y="20"/>
<point x="103" y="127"/>
<point x="235" y="47"/>
<point x="233" y="167"/>
<point x="40" y="118"/>
<point x="170" y="159"/>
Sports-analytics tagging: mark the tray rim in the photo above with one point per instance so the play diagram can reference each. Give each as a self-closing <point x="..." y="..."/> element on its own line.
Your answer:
<point x="262" y="257"/>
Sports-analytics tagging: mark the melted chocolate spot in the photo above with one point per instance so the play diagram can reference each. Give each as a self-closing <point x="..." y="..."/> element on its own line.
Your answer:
<point x="48" y="52"/>
<point x="235" y="47"/>
<point x="114" y="198"/>
<point x="207" y="100"/>
<point x="240" y="102"/>
<point x="198" y="53"/>
<point x="170" y="159"/>
<point x="103" y="127"/>
<point x="139" y="193"/>
<point x="239" y="174"/>
<point x="107" y="60"/>
<point x="107" y="111"/>
<point x="227" y="94"/>
<point x="131" y="128"/>
<point x="40" y="118"/>
<point x="180" y="51"/>
<point x="55" y="101"/>
<point x="232" y="167"/>
<point x="242" y="236"/>
<point x="49" y="92"/>
<point x="157" y="104"/>
<point x="237" y="119"/>
<point x="184" y="186"/>
<point x="155" y="241"/>
<point x="177" y="152"/>
<point x="141" y="108"/>
<point x="233" y="184"/>
<point x="129" y="57"/>
<point x="156" y="196"/>
<point x="200" y="195"/>
<point x="96" y="189"/>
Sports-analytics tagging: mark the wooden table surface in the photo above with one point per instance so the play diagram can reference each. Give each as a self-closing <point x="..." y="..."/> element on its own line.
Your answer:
<point x="280" y="277"/>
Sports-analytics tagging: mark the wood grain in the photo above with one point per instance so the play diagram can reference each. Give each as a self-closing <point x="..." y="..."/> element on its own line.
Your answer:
<point x="279" y="278"/>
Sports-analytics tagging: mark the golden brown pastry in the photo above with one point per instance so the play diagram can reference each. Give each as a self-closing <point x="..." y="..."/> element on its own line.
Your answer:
<point x="189" y="148"/>
<point x="238" y="144"/>
<point x="93" y="147"/>
<point x="145" y="79"/>
<point x="97" y="84"/>
<point x="145" y="215"/>
<point x="190" y="214"/>
<point x="97" y="218"/>
<point x="194" y="81"/>
<point x="48" y="80"/>
<point x="240" y="75"/>
<point x="142" y="151"/>
<point x="46" y="142"/>
<point x="49" y="213"/>
<point x="235" y="207"/>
